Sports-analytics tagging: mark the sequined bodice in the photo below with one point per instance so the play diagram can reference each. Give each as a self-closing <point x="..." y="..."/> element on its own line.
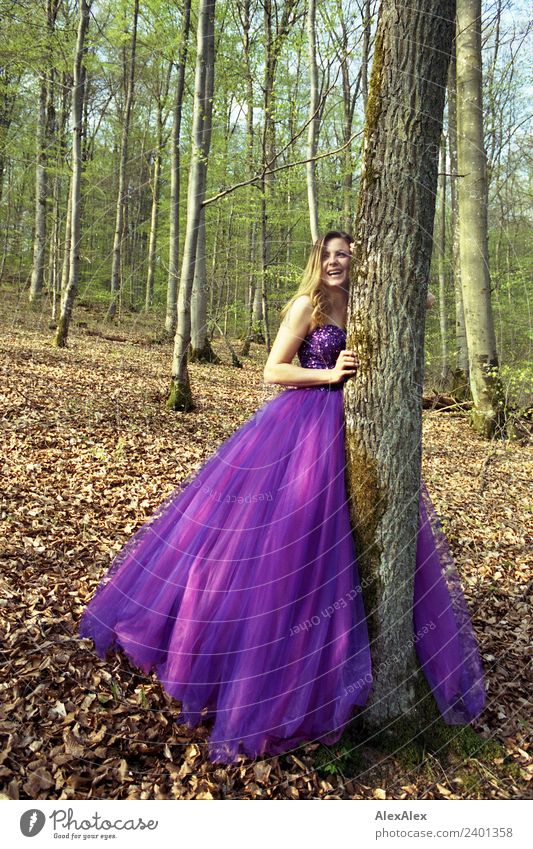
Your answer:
<point x="321" y="347"/>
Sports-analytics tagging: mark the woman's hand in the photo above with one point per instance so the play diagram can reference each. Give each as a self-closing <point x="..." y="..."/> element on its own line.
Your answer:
<point x="431" y="299"/>
<point x="346" y="366"/>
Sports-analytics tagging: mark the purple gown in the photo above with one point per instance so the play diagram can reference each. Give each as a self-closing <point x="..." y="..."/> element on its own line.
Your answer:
<point x="242" y="590"/>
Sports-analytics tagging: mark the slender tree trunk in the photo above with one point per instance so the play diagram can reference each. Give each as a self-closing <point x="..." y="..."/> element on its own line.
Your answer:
<point x="199" y="300"/>
<point x="268" y="144"/>
<point x="386" y="315"/>
<point x="54" y="258"/>
<point x="445" y="372"/>
<point x="229" y="265"/>
<point x="258" y="293"/>
<point x="226" y="304"/>
<point x="347" y="180"/>
<point x="7" y="224"/>
<point x="493" y="132"/>
<point x="350" y="93"/>
<point x="275" y="33"/>
<point x="216" y="245"/>
<point x="69" y="294"/>
<point x="138" y="246"/>
<point x="62" y="144"/>
<point x="460" y="375"/>
<point x="349" y="99"/>
<point x="67" y="245"/>
<point x="293" y="68"/>
<point x="180" y="391"/>
<point x="52" y="145"/>
<point x="175" y="171"/>
<point x="44" y="133"/>
<point x="121" y="200"/>
<point x="244" y="9"/>
<point x="39" y="242"/>
<point x="252" y="286"/>
<point x="9" y="85"/>
<point x="312" y="130"/>
<point x="488" y="413"/>
<point x="201" y="350"/>
<point x="366" y="50"/>
<point x="154" y="217"/>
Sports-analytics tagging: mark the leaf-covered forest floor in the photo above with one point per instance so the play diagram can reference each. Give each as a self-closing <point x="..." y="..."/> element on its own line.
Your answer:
<point x="89" y="450"/>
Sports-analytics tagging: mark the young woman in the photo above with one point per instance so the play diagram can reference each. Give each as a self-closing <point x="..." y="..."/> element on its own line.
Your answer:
<point x="242" y="590"/>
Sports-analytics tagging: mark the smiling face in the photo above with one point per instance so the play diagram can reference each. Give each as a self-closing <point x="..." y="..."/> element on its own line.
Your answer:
<point x="335" y="262"/>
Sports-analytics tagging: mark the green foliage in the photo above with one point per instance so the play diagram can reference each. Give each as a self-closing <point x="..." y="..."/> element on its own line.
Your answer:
<point x="342" y="758"/>
<point x="234" y="258"/>
<point x="447" y="745"/>
<point x="518" y="382"/>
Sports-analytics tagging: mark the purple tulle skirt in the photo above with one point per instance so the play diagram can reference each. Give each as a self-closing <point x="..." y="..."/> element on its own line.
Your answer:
<point x="242" y="591"/>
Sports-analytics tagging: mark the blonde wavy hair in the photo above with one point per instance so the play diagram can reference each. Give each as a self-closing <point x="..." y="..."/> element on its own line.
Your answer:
<point x="312" y="284"/>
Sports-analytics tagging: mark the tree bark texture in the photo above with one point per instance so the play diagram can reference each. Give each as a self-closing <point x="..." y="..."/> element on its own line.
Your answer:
<point x="180" y="393"/>
<point x="67" y="300"/>
<point x="461" y="351"/>
<point x="485" y="385"/>
<point x="175" y="172"/>
<point x="123" y="162"/>
<point x="312" y="130"/>
<point x="386" y="314"/>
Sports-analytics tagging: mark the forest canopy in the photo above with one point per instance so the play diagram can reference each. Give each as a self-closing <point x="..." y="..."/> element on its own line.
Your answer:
<point x="138" y="61"/>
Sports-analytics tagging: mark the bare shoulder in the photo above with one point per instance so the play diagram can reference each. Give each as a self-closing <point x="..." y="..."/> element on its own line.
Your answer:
<point x="304" y="302"/>
<point x="292" y="332"/>
<point x="300" y="311"/>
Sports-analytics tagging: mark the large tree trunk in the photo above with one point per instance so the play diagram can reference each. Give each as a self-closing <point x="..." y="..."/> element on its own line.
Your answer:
<point x="180" y="391"/>
<point x="312" y="130"/>
<point x="386" y="319"/>
<point x="460" y="375"/>
<point x="488" y="412"/>
<point x="174" y="248"/>
<point x="119" y="218"/>
<point x="75" y="226"/>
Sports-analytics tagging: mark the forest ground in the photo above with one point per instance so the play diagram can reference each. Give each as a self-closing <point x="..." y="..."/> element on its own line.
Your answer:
<point x="88" y="452"/>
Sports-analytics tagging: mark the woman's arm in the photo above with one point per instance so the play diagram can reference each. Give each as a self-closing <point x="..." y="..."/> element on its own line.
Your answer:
<point x="292" y="332"/>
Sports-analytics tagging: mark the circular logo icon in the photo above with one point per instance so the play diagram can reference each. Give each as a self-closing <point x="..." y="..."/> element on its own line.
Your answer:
<point x="32" y="822"/>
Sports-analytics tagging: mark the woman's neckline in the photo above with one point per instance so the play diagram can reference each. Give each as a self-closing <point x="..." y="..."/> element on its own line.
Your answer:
<point x="320" y="326"/>
<point x="330" y="324"/>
